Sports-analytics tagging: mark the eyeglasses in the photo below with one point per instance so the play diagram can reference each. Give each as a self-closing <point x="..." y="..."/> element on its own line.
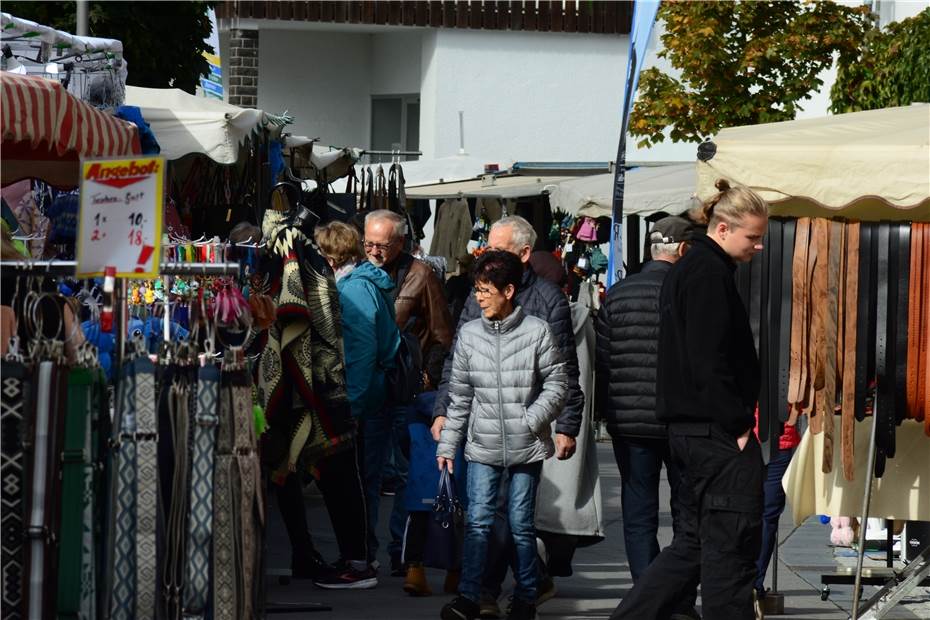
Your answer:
<point x="383" y="247"/>
<point x="483" y="292"/>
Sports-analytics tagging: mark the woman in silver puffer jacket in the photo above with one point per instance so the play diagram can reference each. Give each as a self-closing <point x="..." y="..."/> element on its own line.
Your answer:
<point x="508" y="384"/>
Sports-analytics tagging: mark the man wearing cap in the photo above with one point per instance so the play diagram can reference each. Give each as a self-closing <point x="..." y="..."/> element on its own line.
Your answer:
<point x="626" y="364"/>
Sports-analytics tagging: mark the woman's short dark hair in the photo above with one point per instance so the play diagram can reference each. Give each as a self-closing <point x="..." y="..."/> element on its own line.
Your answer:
<point x="498" y="267"/>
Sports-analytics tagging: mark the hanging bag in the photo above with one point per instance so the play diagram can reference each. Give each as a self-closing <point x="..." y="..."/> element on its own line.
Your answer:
<point x="445" y="531"/>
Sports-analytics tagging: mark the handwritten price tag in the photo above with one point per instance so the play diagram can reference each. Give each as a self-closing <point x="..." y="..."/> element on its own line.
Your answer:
<point x="121" y="216"/>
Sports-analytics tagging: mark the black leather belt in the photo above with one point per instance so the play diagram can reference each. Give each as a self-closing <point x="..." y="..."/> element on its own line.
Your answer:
<point x="783" y="297"/>
<point x="760" y="298"/>
<point x="901" y="321"/>
<point x="884" y="395"/>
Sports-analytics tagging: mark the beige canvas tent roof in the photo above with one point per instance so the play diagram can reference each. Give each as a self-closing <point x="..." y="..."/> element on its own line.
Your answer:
<point x="864" y="165"/>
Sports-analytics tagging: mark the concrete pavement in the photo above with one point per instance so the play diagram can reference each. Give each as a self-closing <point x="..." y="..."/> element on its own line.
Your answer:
<point x="601" y="572"/>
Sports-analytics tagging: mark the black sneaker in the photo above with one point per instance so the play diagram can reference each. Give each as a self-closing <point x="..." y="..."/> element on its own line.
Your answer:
<point x="521" y="610"/>
<point x="460" y="608"/>
<point x="345" y="577"/>
<point x="310" y="565"/>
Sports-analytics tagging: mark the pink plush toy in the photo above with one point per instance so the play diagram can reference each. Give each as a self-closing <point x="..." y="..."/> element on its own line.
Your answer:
<point x="844" y="530"/>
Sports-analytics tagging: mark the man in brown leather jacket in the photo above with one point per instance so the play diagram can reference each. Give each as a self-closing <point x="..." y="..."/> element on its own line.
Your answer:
<point x="421" y="309"/>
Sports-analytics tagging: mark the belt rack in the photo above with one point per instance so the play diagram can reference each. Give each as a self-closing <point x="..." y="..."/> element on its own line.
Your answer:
<point x="55" y="268"/>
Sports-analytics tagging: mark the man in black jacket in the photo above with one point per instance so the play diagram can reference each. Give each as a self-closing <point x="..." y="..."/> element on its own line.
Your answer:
<point x="707" y="386"/>
<point x="627" y="345"/>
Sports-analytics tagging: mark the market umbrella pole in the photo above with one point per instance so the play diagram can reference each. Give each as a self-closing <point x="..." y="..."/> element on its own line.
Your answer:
<point x="866" y="501"/>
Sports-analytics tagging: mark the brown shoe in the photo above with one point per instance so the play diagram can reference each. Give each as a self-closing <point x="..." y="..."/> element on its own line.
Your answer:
<point x="415" y="582"/>
<point x="451" y="586"/>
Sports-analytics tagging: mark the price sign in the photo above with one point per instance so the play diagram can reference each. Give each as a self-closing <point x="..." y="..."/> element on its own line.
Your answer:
<point x="121" y="215"/>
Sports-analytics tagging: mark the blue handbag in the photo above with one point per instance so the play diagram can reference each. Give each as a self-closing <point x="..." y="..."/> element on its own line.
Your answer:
<point x="445" y="530"/>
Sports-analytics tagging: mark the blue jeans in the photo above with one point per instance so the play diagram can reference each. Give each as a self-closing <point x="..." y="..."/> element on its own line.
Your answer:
<point x="382" y="431"/>
<point x="640" y="462"/>
<point x="483" y="483"/>
<point x="773" y="506"/>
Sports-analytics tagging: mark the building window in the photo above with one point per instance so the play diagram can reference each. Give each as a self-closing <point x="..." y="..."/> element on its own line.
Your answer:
<point x="395" y="125"/>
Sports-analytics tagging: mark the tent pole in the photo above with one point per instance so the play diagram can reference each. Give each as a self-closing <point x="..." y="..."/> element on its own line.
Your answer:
<point x="866" y="501"/>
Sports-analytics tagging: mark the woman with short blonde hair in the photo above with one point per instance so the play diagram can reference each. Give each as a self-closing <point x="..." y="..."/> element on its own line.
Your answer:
<point x="339" y="243"/>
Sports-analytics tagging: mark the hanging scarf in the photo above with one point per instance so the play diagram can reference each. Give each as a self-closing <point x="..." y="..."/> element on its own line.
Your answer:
<point x="302" y="369"/>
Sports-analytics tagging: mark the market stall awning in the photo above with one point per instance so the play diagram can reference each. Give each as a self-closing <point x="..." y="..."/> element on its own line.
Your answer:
<point x="648" y="190"/>
<point x="864" y="165"/>
<point x="46" y="130"/>
<point x="14" y="28"/>
<point x="185" y="124"/>
<point x="488" y="186"/>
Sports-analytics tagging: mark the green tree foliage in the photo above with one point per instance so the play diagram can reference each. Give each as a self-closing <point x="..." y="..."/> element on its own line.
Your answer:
<point x="891" y="69"/>
<point x="740" y="63"/>
<point x="162" y="41"/>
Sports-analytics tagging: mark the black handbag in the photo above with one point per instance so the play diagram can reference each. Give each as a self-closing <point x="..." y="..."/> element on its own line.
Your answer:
<point x="445" y="530"/>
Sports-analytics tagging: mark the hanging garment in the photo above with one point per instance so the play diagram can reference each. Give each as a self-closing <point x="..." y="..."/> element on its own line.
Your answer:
<point x="451" y="233"/>
<point x="302" y="368"/>
<point x="13" y="398"/>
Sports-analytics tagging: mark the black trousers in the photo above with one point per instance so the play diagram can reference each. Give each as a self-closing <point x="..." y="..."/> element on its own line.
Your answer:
<point x="340" y="483"/>
<point x="718" y="543"/>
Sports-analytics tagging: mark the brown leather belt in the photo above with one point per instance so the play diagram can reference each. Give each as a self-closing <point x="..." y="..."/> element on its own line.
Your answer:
<point x="799" y="305"/>
<point x="851" y="291"/>
<point x="826" y="398"/>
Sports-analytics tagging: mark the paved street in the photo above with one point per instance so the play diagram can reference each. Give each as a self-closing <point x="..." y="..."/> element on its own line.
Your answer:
<point x="601" y="572"/>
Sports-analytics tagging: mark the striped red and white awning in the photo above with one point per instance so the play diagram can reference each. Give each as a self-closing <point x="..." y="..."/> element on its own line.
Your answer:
<point x="46" y="131"/>
<point x="37" y="110"/>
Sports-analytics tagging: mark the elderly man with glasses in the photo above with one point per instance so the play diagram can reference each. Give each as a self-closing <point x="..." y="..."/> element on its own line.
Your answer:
<point x="543" y="299"/>
<point x="421" y="310"/>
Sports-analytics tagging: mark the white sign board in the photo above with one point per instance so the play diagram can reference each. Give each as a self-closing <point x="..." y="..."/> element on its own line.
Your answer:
<point x="122" y="201"/>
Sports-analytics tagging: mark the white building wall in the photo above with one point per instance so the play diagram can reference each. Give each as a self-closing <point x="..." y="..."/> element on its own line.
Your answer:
<point x="395" y="63"/>
<point x="322" y="78"/>
<point x="525" y="96"/>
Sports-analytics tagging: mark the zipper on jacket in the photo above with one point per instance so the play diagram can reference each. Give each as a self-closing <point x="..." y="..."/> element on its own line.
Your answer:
<point x="500" y="396"/>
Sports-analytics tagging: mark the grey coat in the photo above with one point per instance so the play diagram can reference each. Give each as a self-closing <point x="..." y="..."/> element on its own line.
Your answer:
<point x="540" y="298"/>
<point x="508" y="383"/>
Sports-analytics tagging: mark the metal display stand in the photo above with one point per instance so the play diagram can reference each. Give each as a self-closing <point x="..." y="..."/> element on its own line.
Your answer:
<point x="895" y="584"/>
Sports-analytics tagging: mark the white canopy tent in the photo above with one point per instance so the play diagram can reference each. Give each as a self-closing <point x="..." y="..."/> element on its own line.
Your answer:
<point x="863" y="165"/>
<point x="648" y="190"/>
<point x="185" y="124"/>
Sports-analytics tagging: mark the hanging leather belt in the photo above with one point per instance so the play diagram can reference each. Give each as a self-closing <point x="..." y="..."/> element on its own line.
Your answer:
<point x="849" y="350"/>
<point x="225" y="576"/>
<point x="200" y="524"/>
<point x="814" y="345"/>
<point x="77" y="489"/>
<point x="799" y="299"/>
<point x="923" y="385"/>
<point x="900" y="322"/>
<point x="12" y="472"/>
<point x="884" y="396"/>
<point x="767" y="374"/>
<point x="784" y="322"/>
<point x="865" y="334"/>
<point x="915" y="284"/>
<point x="121" y="581"/>
<point x="826" y="399"/>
